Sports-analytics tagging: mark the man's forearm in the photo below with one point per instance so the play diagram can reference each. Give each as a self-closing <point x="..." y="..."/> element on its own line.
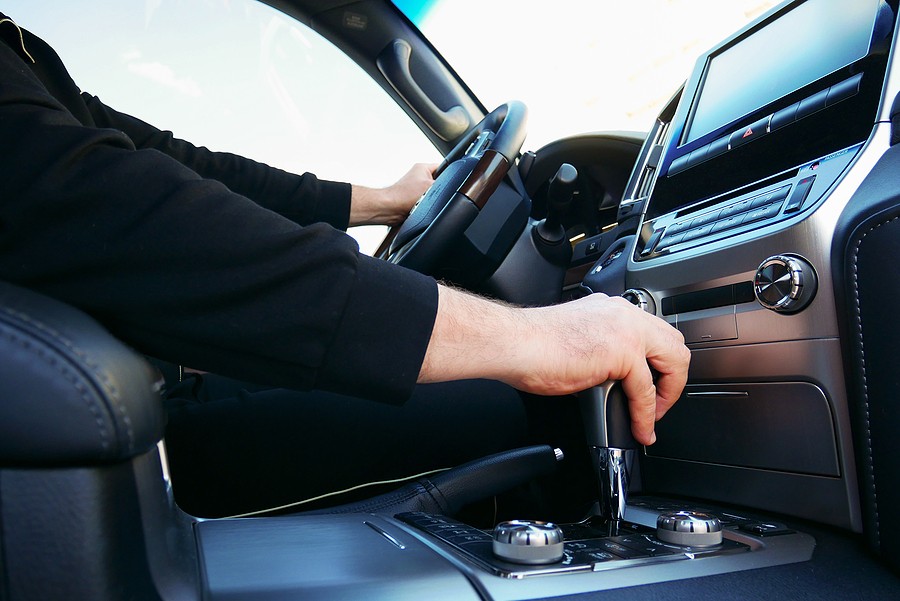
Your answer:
<point x="560" y="350"/>
<point x="472" y="338"/>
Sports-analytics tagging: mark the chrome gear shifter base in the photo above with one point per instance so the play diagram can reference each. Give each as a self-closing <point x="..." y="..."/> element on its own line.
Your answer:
<point x="613" y="467"/>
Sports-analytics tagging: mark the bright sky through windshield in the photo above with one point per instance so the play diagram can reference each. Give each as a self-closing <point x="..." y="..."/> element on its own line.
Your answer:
<point x="579" y="65"/>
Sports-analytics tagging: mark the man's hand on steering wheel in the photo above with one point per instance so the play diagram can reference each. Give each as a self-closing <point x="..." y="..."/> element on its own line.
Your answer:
<point x="464" y="182"/>
<point x="390" y="205"/>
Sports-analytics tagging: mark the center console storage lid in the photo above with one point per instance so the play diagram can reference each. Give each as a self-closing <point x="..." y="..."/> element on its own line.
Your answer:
<point x="355" y="556"/>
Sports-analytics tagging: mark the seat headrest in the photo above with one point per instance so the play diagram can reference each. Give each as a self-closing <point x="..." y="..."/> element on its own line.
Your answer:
<point x="70" y="393"/>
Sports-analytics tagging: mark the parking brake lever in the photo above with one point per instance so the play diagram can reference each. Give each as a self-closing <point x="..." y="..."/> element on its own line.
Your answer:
<point x="607" y="424"/>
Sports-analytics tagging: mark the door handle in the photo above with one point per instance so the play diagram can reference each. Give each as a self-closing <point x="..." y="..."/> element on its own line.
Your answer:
<point x="393" y="62"/>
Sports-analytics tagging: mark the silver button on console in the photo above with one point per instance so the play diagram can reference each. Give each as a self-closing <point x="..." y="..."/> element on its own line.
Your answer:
<point x="689" y="529"/>
<point x="528" y="542"/>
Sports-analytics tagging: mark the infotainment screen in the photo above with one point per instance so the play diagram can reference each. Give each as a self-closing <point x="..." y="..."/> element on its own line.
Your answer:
<point x="802" y="45"/>
<point x="801" y="82"/>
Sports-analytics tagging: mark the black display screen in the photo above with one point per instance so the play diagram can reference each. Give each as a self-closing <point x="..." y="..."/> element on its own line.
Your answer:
<point x="800" y="46"/>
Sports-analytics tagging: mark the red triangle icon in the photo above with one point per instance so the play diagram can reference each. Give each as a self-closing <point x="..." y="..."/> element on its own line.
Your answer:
<point x="748" y="133"/>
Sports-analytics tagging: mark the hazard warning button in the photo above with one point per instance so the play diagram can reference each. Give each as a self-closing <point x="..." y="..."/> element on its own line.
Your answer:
<point x="749" y="133"/>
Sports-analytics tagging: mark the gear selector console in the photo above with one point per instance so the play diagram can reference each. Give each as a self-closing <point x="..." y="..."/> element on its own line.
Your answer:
<point x="657" y="543"/>
<point x="657" y="532"/>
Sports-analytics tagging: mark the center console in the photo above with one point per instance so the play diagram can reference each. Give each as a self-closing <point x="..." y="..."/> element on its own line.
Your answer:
<point x="741" y="185"/>
<point x="647" y="540"/>
<point x="653" y="537"/>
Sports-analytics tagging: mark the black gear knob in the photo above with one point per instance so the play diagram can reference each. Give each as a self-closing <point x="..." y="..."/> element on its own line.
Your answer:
<point x="607" y="421"/>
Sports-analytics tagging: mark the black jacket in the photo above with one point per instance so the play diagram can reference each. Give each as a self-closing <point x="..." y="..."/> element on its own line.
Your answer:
<point x="201" y="258"/>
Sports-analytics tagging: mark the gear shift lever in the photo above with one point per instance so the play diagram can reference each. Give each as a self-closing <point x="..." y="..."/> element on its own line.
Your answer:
<point x="608" y="429"/>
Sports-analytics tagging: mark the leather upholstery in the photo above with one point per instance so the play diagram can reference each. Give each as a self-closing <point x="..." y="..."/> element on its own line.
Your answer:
<point x="70" y="393"/>
<point x="867" y="283"/>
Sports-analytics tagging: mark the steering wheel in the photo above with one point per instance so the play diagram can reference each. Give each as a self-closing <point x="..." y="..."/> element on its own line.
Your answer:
<point x="464" y="181"/>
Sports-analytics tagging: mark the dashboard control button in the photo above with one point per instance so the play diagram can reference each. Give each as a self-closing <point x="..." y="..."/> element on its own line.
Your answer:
<point x="771" y="210"/>
<point x="758" y="201"/>
<point x="717" y="147"/>
<point x="775" y="195"/>
<point x="844" y="90"/>
<point x="640" y="542"/>
<point x="677" y="228"/>
<point x="738" y="207"/>
<point x="697" y="232"/>
<point x="810" y="105"/>
<point x="689" y="529"/>
<point x="621" y="550"/>
<point x="749" y="133"/>
<point x="785" y="283"/>
<point x="762" y="213"/>
<point x="679" y="164"/>
<point x="766" y="528"/>
<point x="652" y="242"/>
<point x="689" y="235"/>
<point x="467" y="538"/>
<point x="698" y="155"/>
<point x="798" y="197"/>
<point x="669" y="240"/>
<point x="727" y="223"/>
<point x="728" y="211"/>
<point x="784" y="117"/>
<point x="528" y="542"/>
<point x="704" y="219"/>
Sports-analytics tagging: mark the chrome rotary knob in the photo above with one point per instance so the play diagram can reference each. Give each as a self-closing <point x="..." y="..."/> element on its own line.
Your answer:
<point x="641" y="299"/>
<point x="785" y="283"/>
<point x="689" y="529"/>
<point x="528" y="542"/>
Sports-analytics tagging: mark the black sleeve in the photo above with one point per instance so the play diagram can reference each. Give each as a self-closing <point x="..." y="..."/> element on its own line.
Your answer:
<point x="185" y="269"/>
<point x="304" y="199"/>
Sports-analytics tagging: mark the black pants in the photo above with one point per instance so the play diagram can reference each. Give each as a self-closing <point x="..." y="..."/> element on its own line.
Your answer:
<point x="235" y="447"/>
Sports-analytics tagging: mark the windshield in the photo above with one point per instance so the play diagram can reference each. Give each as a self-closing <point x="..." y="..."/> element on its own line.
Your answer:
<point x="579" y="65"/>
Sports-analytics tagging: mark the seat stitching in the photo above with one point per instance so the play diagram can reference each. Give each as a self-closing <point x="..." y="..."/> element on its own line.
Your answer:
<point x="870" y="465"/>
<point x="101" y="374"/>
<point x="26" y="344"/>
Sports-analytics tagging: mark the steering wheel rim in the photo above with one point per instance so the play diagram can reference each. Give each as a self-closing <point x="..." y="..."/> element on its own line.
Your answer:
<point x="464" y="182"/>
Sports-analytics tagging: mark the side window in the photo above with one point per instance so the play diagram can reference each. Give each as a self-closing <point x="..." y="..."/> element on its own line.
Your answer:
<point x="237" y="76"/>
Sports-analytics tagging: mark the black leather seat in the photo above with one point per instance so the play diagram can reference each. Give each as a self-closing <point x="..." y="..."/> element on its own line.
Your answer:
<point x="85" y="511"/>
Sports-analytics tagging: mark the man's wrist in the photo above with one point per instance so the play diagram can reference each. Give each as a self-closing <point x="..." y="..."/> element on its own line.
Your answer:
<point x="364" y="205"/>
